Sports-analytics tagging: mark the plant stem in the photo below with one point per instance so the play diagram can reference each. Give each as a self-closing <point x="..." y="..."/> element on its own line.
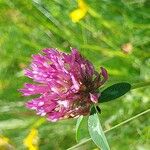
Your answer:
<point x="114" y="127"/>
<point x="128" y="120"/>
<point x="139" y="85"/>
<point x="39" y="122"/>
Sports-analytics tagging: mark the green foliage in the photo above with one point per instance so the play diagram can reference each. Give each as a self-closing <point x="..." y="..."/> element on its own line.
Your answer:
<point x="28" y="26"/>
<point x="96" y="132"/>
<point x="82" y="128"/>
<point x="114" y="91"/>
<point x="78" y="124"/>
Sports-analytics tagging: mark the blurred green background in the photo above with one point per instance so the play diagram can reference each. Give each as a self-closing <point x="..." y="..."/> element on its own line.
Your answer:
<point x="113" y="33"/>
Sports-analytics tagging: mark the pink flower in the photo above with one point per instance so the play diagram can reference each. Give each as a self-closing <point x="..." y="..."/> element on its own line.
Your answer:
<point x="67" y="84"/>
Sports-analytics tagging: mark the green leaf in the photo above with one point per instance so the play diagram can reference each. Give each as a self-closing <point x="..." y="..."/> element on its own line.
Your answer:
<point x="114" y="91"/>
<point x="96" y="131"/>
<point x="79" y="120"/>
<point x="81" y="128"/>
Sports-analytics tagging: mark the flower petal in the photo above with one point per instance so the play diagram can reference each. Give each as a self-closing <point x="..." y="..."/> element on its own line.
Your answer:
<point x="94" y="97"/>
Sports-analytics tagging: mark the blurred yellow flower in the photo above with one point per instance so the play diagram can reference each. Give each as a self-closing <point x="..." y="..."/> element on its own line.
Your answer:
<point x="80" y="12"/>
<point x="31" y="141"/>
<point x="3" y="140"/>
<point x="4" y="144"/>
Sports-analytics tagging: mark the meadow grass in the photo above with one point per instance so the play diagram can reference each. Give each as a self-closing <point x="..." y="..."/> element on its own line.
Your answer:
<point x="108" y="28"/>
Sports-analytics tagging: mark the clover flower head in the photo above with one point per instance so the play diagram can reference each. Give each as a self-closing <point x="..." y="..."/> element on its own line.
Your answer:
<point x="67" y="84"/>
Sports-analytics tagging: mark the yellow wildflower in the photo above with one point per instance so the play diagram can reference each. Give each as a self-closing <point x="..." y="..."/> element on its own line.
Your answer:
<point x="4" y="144"/>
<point x="3" y="140"/>
<point x="82" y="5"/>
<point x="31" y="141"/>
<point x="80" y="12"/>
